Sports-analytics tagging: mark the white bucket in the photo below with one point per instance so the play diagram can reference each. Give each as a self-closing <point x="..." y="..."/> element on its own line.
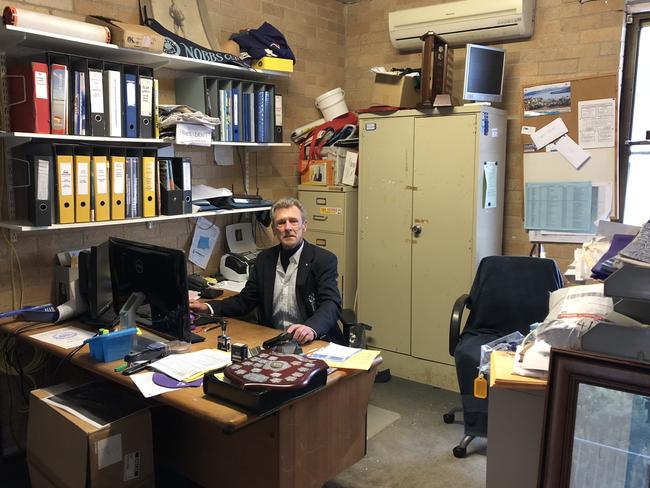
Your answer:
<point x="332" y="104"/>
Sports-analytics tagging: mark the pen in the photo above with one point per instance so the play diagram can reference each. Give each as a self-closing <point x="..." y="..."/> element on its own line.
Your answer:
<point x="208" y="329"/>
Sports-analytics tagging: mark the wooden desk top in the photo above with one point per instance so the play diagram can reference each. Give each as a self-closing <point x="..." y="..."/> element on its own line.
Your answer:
<point x="501" y="374"/>
<point x="191" y="400"/>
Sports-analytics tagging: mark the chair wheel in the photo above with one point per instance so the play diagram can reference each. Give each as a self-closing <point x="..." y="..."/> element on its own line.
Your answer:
<point x="448" y="418"/>
<point x="459" y="452"/>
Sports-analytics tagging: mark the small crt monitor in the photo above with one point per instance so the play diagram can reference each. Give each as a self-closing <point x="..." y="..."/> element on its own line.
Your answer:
<point x="159" y="275"/>
<point x="484" y="67"/>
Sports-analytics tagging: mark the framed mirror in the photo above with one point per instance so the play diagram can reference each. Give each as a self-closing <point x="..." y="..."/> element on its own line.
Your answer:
<point x="597" y="425"/>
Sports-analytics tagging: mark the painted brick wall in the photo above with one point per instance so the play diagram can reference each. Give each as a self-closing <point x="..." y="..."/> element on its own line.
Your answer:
<point x="335" y="46"/>
<point x="316" y="32"/>
<point x="571" y="40"/>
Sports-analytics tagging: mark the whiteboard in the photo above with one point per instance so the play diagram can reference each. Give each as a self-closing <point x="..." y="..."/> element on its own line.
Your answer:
<point x="553" y="167"/>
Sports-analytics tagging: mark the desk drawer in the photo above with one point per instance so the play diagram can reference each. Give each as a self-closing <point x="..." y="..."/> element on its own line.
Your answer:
<point x="325" y="210"/>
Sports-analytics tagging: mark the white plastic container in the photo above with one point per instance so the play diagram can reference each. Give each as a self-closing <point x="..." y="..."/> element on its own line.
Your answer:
<point x="332" y="104"/>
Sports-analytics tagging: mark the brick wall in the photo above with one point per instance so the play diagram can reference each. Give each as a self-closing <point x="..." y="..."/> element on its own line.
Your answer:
<point x="335" y="46"/>
<point x="315" y="31"/>
<point x="571" y="40"/>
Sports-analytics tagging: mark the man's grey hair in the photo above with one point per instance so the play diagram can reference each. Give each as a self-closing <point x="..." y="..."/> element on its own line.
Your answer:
<point x="288" y="202"/>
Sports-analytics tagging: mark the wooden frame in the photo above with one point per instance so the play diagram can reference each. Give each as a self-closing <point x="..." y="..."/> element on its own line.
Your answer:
<point x="569" y="371"/>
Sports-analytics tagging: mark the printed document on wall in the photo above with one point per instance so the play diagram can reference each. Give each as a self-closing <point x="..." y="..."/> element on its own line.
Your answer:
<point x="569" y="207"/>
<point x="490" y="184"/>
<point x="596" y="123"/>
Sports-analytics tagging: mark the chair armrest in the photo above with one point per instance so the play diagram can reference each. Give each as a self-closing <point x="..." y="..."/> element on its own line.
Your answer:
<point x="455" y="321"/>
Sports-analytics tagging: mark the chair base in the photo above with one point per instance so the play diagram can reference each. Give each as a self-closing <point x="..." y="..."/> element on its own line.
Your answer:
<point x="450" y="416"/>
<point x="460" y="451"/>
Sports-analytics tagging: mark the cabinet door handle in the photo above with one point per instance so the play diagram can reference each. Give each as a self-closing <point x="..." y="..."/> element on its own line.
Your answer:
<point x="321" y="242"/>
<point x="417" y="230"/>
<point x="321" y="201"/>
<point x="320" y="218"/>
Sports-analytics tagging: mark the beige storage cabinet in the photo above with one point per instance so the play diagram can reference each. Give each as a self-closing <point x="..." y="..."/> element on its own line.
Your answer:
<point x="332" y="225"/>
<point x="430" y="207"/>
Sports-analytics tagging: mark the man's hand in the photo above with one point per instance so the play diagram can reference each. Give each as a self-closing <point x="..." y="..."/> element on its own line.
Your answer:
<point x="198" y="306"/>
<point x="302" y="334"/>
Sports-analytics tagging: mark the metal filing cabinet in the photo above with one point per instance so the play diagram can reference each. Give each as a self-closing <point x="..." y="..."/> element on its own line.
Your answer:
<point x="427" y="215"/>
<point x="332" y="225"/>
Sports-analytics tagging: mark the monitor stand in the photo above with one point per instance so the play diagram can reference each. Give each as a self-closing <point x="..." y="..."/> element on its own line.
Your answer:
<point x="108" y="319"/>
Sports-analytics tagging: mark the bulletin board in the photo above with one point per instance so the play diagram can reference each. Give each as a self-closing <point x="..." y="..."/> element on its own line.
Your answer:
<point x="542" y="166"/>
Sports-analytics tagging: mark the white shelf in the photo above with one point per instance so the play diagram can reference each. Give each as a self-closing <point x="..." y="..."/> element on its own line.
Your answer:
<point x="21" y="41"/>
<point x="23" y="226"/>
<point x="23" y="137"/>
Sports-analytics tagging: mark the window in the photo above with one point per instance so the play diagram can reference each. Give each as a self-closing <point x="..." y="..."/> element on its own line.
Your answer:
<point x="635" y="122"/>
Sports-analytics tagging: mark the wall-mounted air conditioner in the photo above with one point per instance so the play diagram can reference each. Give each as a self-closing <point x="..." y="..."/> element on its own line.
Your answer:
<point x="476" y="21"/>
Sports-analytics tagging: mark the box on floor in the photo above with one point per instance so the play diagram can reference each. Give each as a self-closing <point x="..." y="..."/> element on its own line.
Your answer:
<point x="65" y="451"/>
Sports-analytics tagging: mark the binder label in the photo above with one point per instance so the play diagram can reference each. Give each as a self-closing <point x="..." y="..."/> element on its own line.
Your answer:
<point x="118" y="182"/>
<point x="146" y="91"/>
<point x="40" y="80"/>
<point x="65" y="171"/>
<point x="83" y="186"/>
<point x="96" y="92"/>
<point x="187" y="175"/>
<point x="130" y="94"/>
<point x="42" y="183"/>
<point x="100" y="174"/>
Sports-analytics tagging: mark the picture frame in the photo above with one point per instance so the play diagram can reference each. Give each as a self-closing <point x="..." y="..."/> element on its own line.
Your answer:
<point x="597" y="422"/>
<point x="175" y="15"/>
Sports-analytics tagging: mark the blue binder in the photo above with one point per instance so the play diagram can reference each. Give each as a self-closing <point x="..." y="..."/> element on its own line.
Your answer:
<point x="130" y="105"/>
<point x="260" y="119"/>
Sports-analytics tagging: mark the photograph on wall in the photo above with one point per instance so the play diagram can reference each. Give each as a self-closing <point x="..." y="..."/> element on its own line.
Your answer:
<point x="185" y="18"/>
<point x="547" y="99"/>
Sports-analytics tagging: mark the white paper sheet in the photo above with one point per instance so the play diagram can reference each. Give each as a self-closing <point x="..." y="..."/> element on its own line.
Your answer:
<point x="573" y="153"/>
<point x="596" y="123"/>
<point x="65" y="337"/>
<point x="548" y="133"/>
<point x="181" y="366"/>
<point x="203" y="192"/>
<point x="334" y="352"/>
<point x="144" y="382"/>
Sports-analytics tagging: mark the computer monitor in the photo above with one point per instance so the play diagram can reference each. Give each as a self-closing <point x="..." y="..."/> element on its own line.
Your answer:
<point x="95" y="285"/>
<point x="160" y="274"/>
<point x="484" y="68"/>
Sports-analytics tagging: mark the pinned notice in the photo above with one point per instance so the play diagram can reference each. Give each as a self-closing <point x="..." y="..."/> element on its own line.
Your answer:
<point x="572" y="152"/>
<point x="549" y="133"/>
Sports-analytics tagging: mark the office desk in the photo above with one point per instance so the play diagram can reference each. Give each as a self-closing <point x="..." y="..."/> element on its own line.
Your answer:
<point x="515" y="423"/>
<point x="303" y="444"/>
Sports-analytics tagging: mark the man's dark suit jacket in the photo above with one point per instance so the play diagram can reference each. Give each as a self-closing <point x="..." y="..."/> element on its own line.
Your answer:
<point x="316" y="289"/>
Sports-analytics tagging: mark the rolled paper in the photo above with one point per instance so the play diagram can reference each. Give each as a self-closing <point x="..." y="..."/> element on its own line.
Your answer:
<point x="52" y="24"/>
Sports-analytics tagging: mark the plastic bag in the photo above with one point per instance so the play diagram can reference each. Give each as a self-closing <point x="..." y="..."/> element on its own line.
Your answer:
<point x="505" y="343"/>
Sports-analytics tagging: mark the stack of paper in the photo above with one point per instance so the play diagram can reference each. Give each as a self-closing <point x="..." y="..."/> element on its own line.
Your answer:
<point x="638" y="251"/>
<point x="184" y="366"/>
<point x="345" y="357"/>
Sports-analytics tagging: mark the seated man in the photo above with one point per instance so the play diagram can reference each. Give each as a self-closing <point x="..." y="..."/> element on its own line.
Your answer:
<point x="293" y="285"/>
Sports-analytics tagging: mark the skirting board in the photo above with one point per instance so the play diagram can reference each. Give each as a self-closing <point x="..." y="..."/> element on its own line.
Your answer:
<point x="420" y="370"/>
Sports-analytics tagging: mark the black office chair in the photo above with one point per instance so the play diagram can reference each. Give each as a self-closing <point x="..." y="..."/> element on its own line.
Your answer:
<point x="508" y="294"/>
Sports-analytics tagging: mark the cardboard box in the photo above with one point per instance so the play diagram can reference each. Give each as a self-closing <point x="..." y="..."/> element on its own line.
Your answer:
<point x="320" y="172"/>
<point x="65" y="451"/>
<point x="394" y="91"/>
<point x="130" y="35"/>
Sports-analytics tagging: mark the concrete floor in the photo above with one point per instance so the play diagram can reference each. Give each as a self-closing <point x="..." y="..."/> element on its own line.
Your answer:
<point x="415" y="451"/>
